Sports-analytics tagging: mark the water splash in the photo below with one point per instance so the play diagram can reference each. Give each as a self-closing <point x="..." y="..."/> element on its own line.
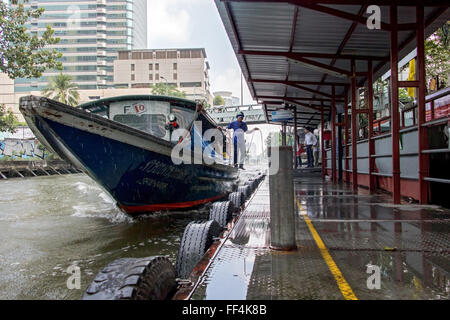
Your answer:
<point x="111" y="213"/>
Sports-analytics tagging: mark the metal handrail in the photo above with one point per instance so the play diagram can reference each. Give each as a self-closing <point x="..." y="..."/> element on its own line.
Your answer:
<point x="436" y="151"/>
<point x="437" y="180"/>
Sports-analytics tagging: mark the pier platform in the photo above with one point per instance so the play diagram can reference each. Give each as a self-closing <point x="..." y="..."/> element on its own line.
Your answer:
<point x="350" y="246"/>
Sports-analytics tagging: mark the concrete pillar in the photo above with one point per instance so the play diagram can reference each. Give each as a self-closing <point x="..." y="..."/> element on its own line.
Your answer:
<point x="282" y="207"/>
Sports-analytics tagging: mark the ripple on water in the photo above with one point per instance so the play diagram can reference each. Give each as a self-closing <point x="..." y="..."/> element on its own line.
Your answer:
<point x="111" y="213"/>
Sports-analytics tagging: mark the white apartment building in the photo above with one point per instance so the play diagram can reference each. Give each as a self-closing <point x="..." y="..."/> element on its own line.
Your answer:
<point x="228" y="97"/>
<point x="91" y="33"/>
<point x="6" y="90"/>
<point x="187" y="69"/>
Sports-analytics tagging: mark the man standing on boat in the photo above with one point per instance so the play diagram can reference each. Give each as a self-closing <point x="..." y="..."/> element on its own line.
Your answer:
<point x="239" y="129"/>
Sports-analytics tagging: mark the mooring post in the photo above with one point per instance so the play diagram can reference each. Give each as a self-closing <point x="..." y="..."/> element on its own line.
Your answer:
<point x="282" y="209"/>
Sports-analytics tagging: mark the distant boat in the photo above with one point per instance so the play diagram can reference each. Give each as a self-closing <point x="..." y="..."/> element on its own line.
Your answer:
<point x="124" y="144"/>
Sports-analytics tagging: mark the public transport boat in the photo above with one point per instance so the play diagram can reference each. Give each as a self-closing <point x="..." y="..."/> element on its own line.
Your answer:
<point x="125" y="144"/>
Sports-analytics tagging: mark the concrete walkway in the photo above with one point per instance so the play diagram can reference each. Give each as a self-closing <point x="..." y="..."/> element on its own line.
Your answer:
<point x="350" y="246"/>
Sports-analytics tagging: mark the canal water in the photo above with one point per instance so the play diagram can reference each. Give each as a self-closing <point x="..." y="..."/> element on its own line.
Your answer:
<point x="48" y="224"/>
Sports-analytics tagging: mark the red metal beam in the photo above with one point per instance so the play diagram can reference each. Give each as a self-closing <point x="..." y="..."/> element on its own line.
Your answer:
<point x="395" y="117"/>
<point x="315" y="106"/>
<point x="342" y="14"/>
<point x="345" y="40"/>
<point x="295" y="55"/>
<point x="333" y="138"/>
<point x="295" y="85"/>
<point x="347" y="149"/>
<point x="306" y="106"/>
<point x="354" y="134"/>
<point x="296" y="58"/>
<point x="294" y="26"/>
<point x="314" y="5"/>
<point x="322" y="146"/>
<point x="370" y="121"/>
<point x="300" y="104"/>
<point x="429" y="21"/>
<point x="323" y="66"/>
<point x="300" y="82"/>
<point x="429" y="3"/>
<point x="408" y="84"/>
<point x="291" y="45"/>
<point x="421" y="110"/>
<point x="296" y="98"/>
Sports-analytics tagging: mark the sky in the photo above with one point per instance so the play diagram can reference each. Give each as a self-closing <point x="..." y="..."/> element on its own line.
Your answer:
<point x="197" y="24"/>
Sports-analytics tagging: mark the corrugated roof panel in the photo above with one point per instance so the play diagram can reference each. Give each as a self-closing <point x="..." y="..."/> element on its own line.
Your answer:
<point x="266" y="65"/>
<point x="255" y="21"/>
<point x="268" y="26"/>
<point x="319" y="32"/>
<point x="294" y="92"/>
<point x="368" y="42"/>
<point x="269" y="89"/>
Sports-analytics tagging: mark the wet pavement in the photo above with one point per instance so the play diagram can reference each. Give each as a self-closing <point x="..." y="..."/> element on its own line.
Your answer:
<point x="348" y="244"/>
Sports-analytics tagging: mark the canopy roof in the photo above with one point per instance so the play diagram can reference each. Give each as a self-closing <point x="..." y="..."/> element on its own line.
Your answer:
<point x="291" y="52"/>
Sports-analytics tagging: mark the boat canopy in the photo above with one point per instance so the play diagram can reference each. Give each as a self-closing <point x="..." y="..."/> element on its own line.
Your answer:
<point x="101" y="105"/>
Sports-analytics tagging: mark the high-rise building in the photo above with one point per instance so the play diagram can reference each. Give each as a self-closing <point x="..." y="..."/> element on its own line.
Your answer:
<point x="140" y="24"/>
<point x="91" y="33"/>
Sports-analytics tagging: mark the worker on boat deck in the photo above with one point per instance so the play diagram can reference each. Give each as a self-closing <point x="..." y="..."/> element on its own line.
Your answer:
<point x="239" y="129"/>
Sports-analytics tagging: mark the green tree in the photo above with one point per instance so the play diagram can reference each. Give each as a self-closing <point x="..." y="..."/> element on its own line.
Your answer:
<point x="7" y="120"/>
<point x="437" y="55"/>
<point x="161" y="89"/>
<point x="218" y="101"/>
<point x="62" y="89"/>
<point x="23" y="55"/>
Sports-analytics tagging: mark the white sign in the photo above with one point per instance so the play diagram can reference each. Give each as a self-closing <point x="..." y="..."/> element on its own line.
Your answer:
<point x="281" y="115"/>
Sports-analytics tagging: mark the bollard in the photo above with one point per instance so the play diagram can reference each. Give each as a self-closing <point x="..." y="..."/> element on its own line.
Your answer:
<point x="282" y="208"/>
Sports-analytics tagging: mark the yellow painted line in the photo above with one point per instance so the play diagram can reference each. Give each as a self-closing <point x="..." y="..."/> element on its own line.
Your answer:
<point x="345" y="288"/>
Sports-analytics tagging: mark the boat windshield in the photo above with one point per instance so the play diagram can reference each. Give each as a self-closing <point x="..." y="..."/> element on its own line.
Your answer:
<point x="151" y="123"/>
<point x="150" y="116"/>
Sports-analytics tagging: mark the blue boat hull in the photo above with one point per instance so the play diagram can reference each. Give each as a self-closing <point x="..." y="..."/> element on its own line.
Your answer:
<point x="140" y="180"/>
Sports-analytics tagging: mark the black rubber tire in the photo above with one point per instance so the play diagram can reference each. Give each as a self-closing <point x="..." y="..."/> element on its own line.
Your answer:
<point x="237" y="199"/>
<point x="245" y="191"/>
<point x="251" y="184"/>
<point x="151" y="278"/>
<point x="197" y="238"/>
<point x="222" y="212"/>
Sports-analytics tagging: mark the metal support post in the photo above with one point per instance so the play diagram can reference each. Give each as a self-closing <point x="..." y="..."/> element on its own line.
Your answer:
<point x="347" y="148"/>
<point x="333" y="136"/>
<point x="322" y="144"/>
<point x="370" y="121"/>
<point x="422" y="131"/>
<point x="354" y="132"/>
<point x="395" y="117"/>
<point x="295" y="137"/>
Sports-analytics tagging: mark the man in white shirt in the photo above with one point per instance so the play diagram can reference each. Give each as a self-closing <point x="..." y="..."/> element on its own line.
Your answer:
<point x="316" y="149"/>
<point x="310" y="141"/>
